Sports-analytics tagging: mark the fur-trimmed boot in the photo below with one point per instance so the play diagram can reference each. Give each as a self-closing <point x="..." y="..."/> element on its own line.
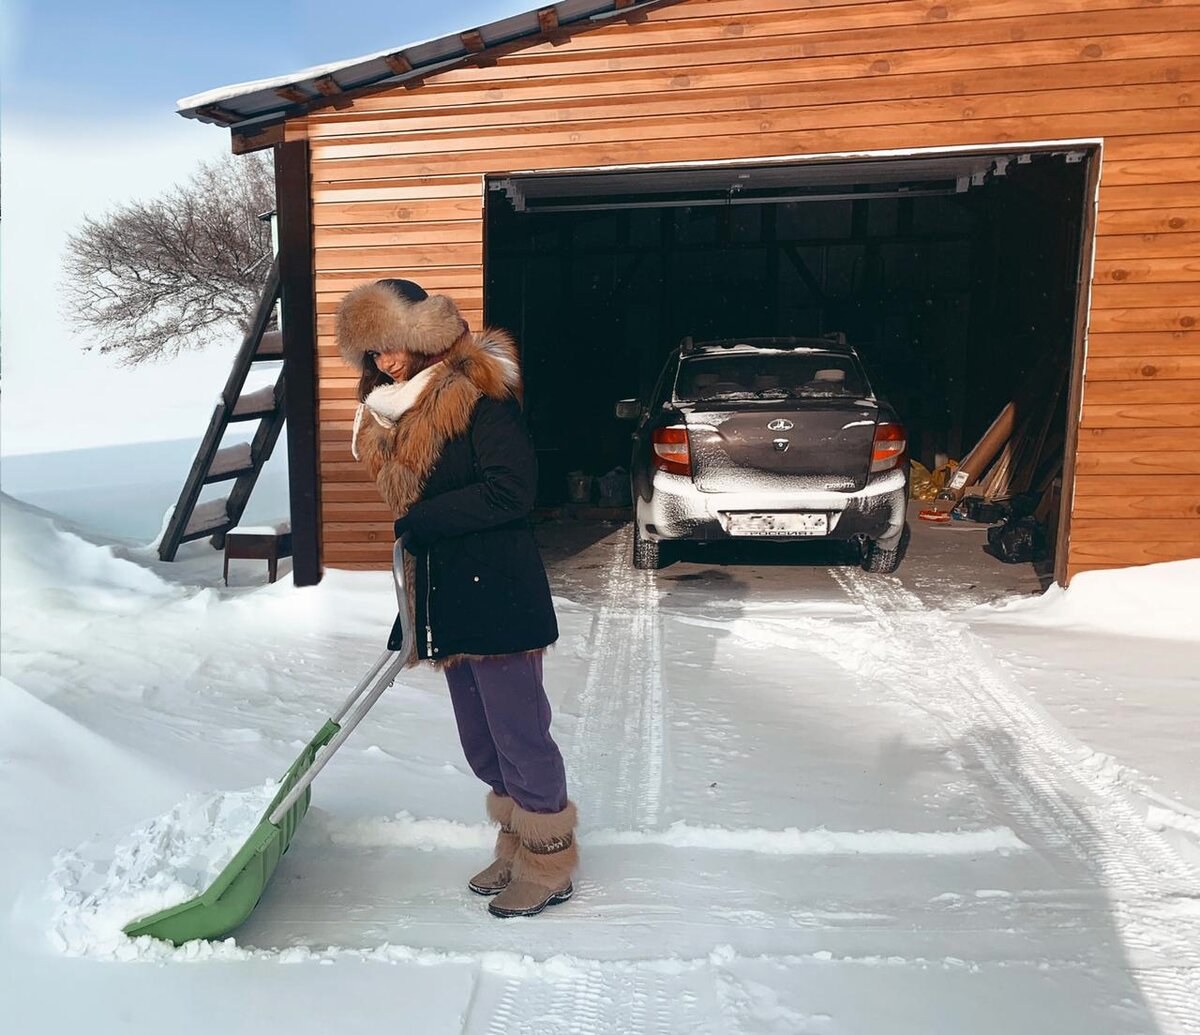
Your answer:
<point x="541" y="870"/>
<point x="494" y="879"/>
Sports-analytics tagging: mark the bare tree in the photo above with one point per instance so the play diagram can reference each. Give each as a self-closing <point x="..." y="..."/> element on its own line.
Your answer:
<point x="154" y="278"/>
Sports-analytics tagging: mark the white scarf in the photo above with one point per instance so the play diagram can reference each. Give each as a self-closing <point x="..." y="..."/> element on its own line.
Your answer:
<point x="387" y="403"/>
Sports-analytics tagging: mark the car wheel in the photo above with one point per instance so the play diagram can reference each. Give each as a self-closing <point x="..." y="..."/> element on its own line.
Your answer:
<point x="647" y="554"/>
<point x="881" y="561"/>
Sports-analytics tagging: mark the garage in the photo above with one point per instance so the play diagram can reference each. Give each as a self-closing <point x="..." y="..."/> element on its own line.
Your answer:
<point x="1012" y="255"/>
<point x="955" y="277"/>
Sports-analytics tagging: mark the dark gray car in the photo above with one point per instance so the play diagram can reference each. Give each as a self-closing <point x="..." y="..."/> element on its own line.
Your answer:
<point x="767" y="438"/>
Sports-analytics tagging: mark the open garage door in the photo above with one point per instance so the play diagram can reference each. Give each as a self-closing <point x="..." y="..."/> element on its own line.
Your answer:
<point x="956" y="276"/>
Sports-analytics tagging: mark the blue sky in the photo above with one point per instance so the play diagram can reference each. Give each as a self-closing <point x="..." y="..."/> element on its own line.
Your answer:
<point x="64" y="60"/>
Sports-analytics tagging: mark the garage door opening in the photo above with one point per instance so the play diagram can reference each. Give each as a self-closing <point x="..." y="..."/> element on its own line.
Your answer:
<point x="955" y="276"/>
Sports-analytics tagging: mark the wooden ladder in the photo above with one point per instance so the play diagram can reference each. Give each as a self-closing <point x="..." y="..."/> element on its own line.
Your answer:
<point x="240" y="463"/>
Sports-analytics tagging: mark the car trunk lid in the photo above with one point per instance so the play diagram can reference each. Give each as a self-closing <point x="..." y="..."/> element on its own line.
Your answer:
<point x="820" y="443"/>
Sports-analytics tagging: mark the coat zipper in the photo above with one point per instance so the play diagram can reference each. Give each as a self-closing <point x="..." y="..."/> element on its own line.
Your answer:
<point x="428" y="619"/>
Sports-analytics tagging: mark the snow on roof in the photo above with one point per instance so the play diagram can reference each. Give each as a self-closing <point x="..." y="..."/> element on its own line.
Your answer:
<point x="264" y="100"/>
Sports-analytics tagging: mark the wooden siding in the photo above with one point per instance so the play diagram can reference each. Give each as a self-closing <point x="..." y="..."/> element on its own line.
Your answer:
<point x="397" y="189"/>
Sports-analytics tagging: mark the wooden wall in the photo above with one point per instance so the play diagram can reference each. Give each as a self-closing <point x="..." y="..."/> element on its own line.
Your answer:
<point x="397" y="182"/>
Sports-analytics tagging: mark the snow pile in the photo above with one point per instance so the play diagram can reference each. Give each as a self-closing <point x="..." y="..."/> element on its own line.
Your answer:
<point x="46" y="559"/>
<point x="1159" y="600"/>
<point x="161" y="864"/>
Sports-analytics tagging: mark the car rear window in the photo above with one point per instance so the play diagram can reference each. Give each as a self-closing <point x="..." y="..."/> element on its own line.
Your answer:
<point x="807" y="375"/>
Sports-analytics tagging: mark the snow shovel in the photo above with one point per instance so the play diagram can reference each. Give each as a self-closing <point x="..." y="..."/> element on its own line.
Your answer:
<point x="231" y="898"/>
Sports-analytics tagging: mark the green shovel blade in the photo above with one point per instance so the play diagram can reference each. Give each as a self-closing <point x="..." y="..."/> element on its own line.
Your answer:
<point x="232" y="896"/>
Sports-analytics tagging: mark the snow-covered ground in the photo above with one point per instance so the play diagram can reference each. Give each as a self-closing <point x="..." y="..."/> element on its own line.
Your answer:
<point x="812" y="801"/>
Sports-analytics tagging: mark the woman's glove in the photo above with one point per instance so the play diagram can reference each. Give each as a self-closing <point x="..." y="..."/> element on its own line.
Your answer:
<point x="402" y="525"/>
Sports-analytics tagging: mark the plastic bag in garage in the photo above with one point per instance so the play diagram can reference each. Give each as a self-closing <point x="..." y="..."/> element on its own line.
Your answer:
<point x="926" y="484"/>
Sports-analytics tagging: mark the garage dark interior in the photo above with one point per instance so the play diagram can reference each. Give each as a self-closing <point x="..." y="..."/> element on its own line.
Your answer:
<point x="954" y="275"/>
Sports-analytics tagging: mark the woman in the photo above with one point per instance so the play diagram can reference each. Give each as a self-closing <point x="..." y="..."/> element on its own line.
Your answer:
<point x="439" y="427"/>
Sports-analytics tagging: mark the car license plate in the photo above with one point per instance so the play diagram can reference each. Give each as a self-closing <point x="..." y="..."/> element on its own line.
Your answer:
<point x="790" y="524"/>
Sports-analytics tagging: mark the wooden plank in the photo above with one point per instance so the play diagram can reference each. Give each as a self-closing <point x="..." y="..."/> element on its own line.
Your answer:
<point x="1162" y="343"/>
<point x="368" y="557"/>
<point x="410" y="188"/>
<point x="1175" y="98"/>
<point x="242" y="143"/>
<point x="760" y="144"/>
<point x="1140" y="415"/>
<point x="1096" y="486"/>
<point x="1160" y="507"/>
<point x="1154" y="147"/>
<point x="1126" y="320"/>
<point x="438" y="211"/>
<point x="1129" y="553"/>
<point x="1167" y="464"/>
<point x="473" y="41"/>
<point x="1170" y="244"/>
<point x="361" y="521"/>
<point x="1177" y="220"/>
<point x="1114" y="393"/>
<point x="1119" y="173"/>
<point x="787" y="92"/>
<point x="291" y="94"/>
<point x="1173" y="270"/>
<point x="1131" y="368"/>
<point x="398" y="63"/>
<point x="348" y="492"/>
<point x="1142" y="296"/>
<point x="379" y="235"/>
<point x="441" y="278"/>
<point x="327" y="86"/>
<point x="1128" y="530"/>
<point x="424" y="255"/>
<point x="1144" y="196"/>
<point x="1133" y="440"/>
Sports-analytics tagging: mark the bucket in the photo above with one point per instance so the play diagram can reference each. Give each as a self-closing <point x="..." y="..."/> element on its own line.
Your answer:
<point x="579" y="487"/>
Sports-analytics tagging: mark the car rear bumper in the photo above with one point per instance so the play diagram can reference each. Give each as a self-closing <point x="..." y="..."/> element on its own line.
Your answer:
<point x="678" y="510"/>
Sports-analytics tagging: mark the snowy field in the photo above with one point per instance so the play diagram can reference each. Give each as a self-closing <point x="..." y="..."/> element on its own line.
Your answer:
<point x="812" y="801"/>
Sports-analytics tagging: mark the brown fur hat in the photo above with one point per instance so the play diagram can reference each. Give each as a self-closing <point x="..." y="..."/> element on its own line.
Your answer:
<point x="395" y="316"/>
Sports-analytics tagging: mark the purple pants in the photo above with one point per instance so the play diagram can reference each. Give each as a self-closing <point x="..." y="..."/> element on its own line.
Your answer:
<point x="504" y="725"/>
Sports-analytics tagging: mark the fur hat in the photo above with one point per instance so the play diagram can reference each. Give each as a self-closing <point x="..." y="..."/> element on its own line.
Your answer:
<point x="395" y="316"/>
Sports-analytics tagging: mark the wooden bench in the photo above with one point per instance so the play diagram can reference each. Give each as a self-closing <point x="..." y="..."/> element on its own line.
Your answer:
<point x="259" y="543"/>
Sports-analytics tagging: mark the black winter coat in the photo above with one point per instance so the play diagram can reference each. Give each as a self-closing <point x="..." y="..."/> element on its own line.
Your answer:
<point x="481" y="587"/>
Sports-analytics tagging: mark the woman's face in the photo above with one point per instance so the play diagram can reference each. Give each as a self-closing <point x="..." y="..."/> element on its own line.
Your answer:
<point x="394" y="364"/>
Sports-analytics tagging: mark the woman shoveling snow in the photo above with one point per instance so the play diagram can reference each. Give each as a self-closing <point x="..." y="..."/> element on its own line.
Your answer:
<point x="439" y="428"/>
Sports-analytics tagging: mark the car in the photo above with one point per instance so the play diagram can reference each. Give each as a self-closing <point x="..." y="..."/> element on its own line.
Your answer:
<point x="767" y="438"/>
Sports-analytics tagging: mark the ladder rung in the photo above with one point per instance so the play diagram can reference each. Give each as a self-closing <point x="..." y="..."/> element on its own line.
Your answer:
<point x="259" y="403"/>
<point x="270" y="347"/>
<point x="256" y="415"/>
<point x="224" y="476"/>
<point x="212" y="515"/>
<point x="231" y="457"/>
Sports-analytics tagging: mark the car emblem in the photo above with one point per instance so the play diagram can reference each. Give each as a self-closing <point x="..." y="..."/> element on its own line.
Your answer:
<point x="780" y="425"/>
<point x="781" y="445"/>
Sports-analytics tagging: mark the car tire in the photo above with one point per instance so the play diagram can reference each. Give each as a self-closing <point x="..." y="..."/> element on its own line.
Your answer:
<point x="880" y="561"/>
<point x="647" y="554"/>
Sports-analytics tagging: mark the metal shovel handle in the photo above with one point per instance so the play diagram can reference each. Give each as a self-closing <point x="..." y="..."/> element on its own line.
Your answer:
<point x="370" y="688"/>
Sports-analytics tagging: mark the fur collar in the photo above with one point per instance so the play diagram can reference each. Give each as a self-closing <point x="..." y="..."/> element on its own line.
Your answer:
<point x="401" y="457"/>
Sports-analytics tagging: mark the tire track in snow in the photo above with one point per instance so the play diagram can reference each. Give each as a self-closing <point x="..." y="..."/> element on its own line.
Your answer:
<point x="579" y="997"/>
<point x="1154" y="893"/>
<point x="615" y="762"/>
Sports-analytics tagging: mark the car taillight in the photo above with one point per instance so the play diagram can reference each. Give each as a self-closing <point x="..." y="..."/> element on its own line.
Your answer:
<point x="889" y="447"/>
<point x="671" y="450"/>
